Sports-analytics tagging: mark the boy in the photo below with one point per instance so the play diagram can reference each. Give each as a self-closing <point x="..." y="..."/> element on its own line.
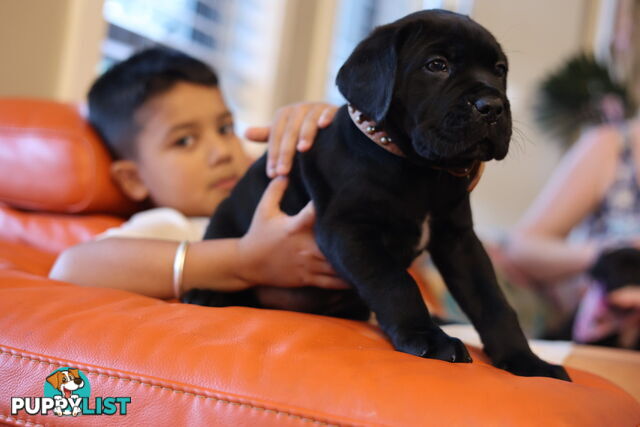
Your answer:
<point x="163" y="117"/>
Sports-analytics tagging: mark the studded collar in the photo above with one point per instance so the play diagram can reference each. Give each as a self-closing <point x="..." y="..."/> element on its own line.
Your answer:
<point x="376" y="134"/>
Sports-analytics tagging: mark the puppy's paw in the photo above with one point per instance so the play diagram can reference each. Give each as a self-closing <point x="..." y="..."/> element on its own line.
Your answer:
<point x="431" y="344"/>
<point x="530" y="365"/>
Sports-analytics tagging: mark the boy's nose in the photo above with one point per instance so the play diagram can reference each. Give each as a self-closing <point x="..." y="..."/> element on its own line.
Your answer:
<point x="219" y="153"/>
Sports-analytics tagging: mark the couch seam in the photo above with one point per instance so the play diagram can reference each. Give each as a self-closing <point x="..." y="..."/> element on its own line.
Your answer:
<point x="18" y="421"/>
<point x="305" y="419"/>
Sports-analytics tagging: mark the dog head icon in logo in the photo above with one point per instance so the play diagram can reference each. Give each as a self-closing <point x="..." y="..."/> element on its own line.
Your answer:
<point x="66" y="381"/>
<point x="69" y="384"/>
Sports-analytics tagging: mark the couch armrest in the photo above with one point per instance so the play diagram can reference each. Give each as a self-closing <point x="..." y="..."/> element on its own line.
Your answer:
<point x="184" y="364"/>
<point x="17" y="256"/>
<point x="50" y="232"/>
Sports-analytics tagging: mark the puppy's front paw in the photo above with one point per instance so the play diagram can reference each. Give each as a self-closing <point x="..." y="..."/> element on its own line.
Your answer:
<point x="530" y="365"/>
<point x="431" y="344"/>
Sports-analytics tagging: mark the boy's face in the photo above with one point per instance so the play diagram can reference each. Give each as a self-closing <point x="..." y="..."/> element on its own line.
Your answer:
<point x="188" y="156"/>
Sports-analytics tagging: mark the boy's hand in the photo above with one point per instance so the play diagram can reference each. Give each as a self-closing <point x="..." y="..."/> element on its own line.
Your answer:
<point x="294" y="126"/>
<point x="280" y="250"/>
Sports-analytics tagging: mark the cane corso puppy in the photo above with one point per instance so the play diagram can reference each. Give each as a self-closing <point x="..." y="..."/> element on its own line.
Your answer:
<point x="613" y="270"/>
<point x="616" y="268"/>
<point x="428" y="104"/>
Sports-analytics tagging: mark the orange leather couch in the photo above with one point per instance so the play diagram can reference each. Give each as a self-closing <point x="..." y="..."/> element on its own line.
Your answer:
<point x="183" y="364"/>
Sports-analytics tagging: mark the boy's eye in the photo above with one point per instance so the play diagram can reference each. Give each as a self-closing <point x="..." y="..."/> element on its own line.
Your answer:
<point x="185" y="141"/>
<point x="226" y="129"/>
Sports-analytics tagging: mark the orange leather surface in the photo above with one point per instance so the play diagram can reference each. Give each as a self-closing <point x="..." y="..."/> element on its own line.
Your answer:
<point x="184" y="364"/>
<point x="51" y="232"/>
<point x="17" y="256"/>
<point x="51" y="160"/>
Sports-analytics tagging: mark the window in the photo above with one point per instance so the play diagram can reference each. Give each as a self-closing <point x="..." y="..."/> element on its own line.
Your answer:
<point x="193" y="26"/>
<point x="240" y="39"/>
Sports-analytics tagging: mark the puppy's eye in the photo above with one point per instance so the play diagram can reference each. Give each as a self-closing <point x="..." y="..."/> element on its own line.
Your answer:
<point x="438" y="65"/>
<point x="501" y="69"/>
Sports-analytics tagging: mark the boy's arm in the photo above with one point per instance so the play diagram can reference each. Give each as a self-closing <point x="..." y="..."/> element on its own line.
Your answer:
<point x="145" y="266"/>
<point x="538" y="244"/>
<point x="278" y="250"/>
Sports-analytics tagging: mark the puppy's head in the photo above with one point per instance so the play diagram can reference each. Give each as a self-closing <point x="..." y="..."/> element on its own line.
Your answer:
<point x="69" y="379"/>
<point x="616" y="268"/>
<point x="436" y="81"/>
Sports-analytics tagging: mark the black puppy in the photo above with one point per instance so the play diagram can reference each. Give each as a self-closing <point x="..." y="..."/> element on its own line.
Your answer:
<point x="429" y="103"/>
<point x="616" y="268"/>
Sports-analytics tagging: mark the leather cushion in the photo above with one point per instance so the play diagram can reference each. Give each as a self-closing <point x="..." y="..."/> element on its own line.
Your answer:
<point x="51" y="232"/>
<point x="52" y="160"/>
<point x="25" y="258"/>
<point x="184" y="365"/>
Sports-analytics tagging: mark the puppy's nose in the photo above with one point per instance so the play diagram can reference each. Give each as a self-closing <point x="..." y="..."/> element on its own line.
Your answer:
<point x="490" y="107"/>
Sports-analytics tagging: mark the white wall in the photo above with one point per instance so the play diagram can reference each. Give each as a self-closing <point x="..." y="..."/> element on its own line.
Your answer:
<point x="49" y="48"/>
<point x="85" y="31"/>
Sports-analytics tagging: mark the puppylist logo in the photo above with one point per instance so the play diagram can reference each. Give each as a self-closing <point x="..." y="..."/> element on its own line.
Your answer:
<point x="67" y="393"/>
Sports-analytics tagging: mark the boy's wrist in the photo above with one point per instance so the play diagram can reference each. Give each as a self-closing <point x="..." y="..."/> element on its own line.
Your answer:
<point x="222" y="273"/>
<point x="246" y="262"/>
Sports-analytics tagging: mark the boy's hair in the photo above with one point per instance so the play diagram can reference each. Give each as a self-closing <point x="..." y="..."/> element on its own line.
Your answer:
<point x="115" y="96"/>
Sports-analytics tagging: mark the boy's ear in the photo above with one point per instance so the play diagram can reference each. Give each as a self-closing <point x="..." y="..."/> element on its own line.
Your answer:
<point x="125" y="173"/>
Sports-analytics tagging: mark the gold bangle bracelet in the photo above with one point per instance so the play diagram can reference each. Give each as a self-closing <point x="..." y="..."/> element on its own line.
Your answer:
<point x="178" y="267"/>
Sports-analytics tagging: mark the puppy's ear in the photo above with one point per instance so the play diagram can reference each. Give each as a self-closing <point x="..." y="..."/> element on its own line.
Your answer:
<point x="75" y="373"/>
<point x="55" y="379"/>
<point x="367" y="78"/>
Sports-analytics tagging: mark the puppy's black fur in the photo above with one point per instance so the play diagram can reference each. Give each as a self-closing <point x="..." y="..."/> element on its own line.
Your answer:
<point x="436" y="82"/>
<point x="616" y="268"/>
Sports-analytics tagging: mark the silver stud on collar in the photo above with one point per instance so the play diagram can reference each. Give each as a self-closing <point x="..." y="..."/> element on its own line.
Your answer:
<point x="374" y="132"/>
<point x="360" y="118"/>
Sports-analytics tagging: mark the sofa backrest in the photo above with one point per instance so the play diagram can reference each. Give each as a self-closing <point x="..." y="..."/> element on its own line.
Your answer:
<point x="51" y="160"/>
<point x="55" y="185"/>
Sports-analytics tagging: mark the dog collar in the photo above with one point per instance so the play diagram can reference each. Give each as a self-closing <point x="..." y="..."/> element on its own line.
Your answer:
<point x="380" y="137"/>
<point x="373" y="132"/>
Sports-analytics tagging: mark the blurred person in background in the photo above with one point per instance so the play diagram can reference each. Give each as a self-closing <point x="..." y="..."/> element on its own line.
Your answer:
<point x="587" y="211"/>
